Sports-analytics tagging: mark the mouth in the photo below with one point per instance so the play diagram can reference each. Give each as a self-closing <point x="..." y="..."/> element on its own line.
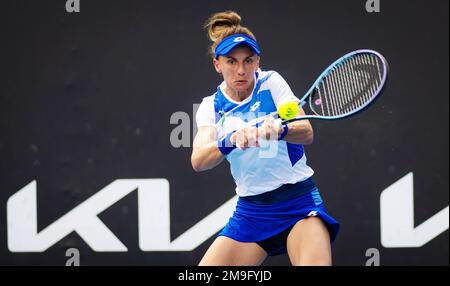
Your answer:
<point x="241" y="82"/>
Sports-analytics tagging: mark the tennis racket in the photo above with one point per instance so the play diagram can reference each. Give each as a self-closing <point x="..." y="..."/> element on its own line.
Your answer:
<point x="346" y="87"/>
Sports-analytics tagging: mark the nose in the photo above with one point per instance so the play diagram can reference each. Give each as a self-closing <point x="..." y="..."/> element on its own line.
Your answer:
<point x="241" y="70"/>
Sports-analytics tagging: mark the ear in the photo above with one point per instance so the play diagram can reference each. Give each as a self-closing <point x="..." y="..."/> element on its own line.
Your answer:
<point x="217" y="66"/>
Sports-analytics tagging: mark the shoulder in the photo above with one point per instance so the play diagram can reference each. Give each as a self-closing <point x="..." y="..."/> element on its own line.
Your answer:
<point x="270" y="77"/>
<point x="206" y="107"/>
<point x="205" y="114"/>
<point x="278" y="87"/>
<point x="208" y="100"/>
<point x="272" y="80"/>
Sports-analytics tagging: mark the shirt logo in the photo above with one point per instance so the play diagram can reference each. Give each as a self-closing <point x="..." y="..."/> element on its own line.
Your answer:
<point x="255" y="106"/>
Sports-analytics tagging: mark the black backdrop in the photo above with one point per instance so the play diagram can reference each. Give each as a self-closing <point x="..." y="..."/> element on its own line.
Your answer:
<point x="86" y="98"/>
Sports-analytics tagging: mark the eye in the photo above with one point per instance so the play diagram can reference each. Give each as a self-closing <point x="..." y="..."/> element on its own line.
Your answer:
<point x="230" y="61"/>
<point x="249" y="60"/>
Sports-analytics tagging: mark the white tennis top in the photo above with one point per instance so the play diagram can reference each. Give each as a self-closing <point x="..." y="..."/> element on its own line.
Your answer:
<point x="256" y="170"/>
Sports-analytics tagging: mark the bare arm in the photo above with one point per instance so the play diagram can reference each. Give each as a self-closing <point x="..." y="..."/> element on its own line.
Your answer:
<point x="205" y="154"/>
<point x="300" y="132"/>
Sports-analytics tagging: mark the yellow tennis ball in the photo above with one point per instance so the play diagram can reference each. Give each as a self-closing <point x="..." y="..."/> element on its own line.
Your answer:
<point x="288" y="110"/>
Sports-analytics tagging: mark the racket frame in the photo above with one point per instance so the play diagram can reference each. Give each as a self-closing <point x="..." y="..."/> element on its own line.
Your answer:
<point x="335" y="64"/>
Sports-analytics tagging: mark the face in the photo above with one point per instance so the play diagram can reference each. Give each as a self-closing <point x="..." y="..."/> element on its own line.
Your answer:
<point x="238" y="68"/>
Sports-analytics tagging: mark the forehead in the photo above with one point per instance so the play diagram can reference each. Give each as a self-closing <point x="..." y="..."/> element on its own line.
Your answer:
<point x="241" y="51"/>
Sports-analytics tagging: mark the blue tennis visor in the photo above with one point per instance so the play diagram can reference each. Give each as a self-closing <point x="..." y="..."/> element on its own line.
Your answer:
<point x="230" y="42"/>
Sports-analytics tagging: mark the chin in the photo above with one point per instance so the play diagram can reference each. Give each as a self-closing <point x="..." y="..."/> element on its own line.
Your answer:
<point x="242" y="88"/>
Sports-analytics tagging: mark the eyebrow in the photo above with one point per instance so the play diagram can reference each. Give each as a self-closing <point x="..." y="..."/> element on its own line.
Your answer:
<point x="230" y="57"/>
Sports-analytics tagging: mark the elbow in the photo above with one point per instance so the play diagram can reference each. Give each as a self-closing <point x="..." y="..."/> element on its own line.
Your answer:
<point x="309" y="139"/>
<point x="197" y="165"/>
<point x="197" y="168"/>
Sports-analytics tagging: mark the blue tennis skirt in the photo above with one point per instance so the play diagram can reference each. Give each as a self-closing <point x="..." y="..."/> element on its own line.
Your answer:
<point x="267" y="218"/>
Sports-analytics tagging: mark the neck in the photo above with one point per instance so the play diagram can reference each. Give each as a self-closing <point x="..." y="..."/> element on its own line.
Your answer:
<point x="239" y="95"/>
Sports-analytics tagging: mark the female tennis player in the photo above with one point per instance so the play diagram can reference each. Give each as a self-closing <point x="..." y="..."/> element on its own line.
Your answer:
<point x="279" y="208"/>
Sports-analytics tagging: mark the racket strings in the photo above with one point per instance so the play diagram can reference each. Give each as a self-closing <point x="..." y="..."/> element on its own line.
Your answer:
<point x="348" y="87"/>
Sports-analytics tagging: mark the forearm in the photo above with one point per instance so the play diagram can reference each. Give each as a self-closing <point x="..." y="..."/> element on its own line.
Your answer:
<point x="300" y="132"/>
<point x="206" y="157"/>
